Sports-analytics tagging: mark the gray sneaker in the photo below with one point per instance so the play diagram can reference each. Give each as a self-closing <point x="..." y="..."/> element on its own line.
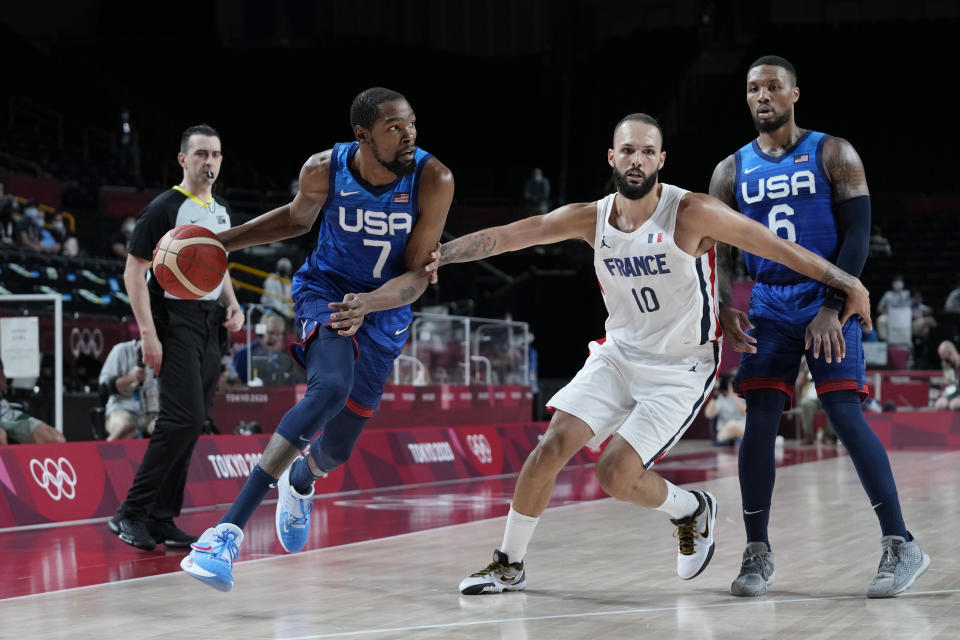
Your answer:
<point x="756" y="572"/>
<point x="900" y="566"/>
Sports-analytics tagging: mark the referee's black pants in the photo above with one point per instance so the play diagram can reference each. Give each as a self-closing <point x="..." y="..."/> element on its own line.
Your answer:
<point x="189" y="332"/>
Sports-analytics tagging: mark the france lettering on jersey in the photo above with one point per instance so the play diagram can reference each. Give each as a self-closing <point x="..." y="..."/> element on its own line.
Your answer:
<point x="789" y="194"/>
<point x="361" y="243"/>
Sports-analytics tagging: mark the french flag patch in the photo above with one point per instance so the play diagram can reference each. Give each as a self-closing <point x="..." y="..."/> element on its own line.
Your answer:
<point x="803" y="157"/>
<point x="655" y="237"/>
<point x="401" y="198"/>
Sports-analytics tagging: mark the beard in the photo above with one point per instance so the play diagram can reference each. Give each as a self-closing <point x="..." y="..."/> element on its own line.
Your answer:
<point x="766" y="126"/>
<point x="634" y="191"/>
<point x="395" y="166"/>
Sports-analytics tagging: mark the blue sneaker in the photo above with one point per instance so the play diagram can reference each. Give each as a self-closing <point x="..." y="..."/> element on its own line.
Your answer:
<point x="212" y="556"/>
<point x="293" y="514"/>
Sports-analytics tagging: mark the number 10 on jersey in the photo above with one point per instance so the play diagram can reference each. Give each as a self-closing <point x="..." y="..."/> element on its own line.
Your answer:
<point x="646" y="299"/>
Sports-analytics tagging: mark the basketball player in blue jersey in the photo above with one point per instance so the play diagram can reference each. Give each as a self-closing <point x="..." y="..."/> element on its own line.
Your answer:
<point x="643" y="384"/>
<point x="810" y="189"/>
<point x="384" y="203"/>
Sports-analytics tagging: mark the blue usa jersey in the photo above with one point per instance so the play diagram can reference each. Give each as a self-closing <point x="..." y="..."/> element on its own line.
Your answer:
<point x="361" y="243"/>
<point x="789" y="194"/>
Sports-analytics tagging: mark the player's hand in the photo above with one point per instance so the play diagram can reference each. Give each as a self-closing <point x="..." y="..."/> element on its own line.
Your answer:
<point x="152" y="351"/>
<point x="858" y="304"/>
<point x="350" y="313"/>
<point x="434" y="267"/>
<point x="826" y="331"/>
<point x="234" y="321"/>
<point x="734" y="324"/>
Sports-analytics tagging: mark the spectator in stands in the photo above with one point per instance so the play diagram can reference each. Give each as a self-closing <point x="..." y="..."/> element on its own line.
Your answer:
<point x="5" y="198"/>
<point x="896" y="296"/>
<point x="9" y="213"/>
<point x="879" y="245"/>
<point x="950" y="393"/>
<point x="20" y="427"/>
<point x="117" y="244"/>
<point x="69" y="245"/>
<point x="808" y="404"/>
<point x="922" y="315"/>
<point x="276" y="289"/>
<point x="270" y="362"/>
<point x="536" y="192"/>
<point x="132" y="404"/>
<point x="129" y="147"/>
<point x="952" y="303"/>
<point x="729" y="410"/>
<point x="28" y="229"/>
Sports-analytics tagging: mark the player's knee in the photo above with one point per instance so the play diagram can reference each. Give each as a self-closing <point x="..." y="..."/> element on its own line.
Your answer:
<point x="954" y="404"/>
<point x="330" y="385"/>
<point x="616" y="479"/>
<point x="554" y="449"/>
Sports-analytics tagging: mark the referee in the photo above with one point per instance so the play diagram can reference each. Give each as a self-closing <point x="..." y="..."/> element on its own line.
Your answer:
<point x="181" y="342"/>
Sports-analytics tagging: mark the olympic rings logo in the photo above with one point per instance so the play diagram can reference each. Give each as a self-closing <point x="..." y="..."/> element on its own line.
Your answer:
<point x="89" y="342"/>
<point x="480" y="447"/>
<point x="56" y="477"/>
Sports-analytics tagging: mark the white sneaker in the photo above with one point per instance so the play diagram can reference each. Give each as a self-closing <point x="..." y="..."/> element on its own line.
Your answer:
<point x="695" y="537"/>
<point x="293" y="514"/>
<point x="499" y="575"/>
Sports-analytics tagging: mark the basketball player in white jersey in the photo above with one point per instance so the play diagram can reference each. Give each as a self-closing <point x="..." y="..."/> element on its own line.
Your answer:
<point x="645" y="382"/>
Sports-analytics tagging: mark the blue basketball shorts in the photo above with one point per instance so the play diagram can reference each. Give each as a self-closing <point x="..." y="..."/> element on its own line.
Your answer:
<point x="377" y="344"/>
<point x="776" y="363"/>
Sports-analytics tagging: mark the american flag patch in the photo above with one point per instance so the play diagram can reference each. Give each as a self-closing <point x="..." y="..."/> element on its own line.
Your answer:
<point x="401" y="198"/>
<point x="655" y="237"/>
<point x="803" y="157"/>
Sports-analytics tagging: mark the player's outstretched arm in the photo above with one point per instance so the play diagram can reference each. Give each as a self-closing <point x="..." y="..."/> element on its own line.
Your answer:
<point x="290" y="220"/>
<point x="435" y="197"/>
<point x="721" y="223"/>
<point x="569" y="222"/>
<point x="733" y="321"/>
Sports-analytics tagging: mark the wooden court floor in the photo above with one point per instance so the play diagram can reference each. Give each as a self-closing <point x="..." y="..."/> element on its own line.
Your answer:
<point x="597" y="569"/>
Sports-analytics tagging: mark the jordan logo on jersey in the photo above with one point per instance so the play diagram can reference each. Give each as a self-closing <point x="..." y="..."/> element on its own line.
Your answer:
<point x="377" y="223"/>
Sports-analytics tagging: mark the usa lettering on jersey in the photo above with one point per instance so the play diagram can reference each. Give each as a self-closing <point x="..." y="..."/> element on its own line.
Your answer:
<point x="779" y="186"/>
<point x="377" y="223"/>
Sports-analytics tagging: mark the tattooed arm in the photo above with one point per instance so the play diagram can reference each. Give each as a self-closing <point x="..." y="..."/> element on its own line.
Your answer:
<point x="720" y="222"/>
<point x="852" y="204"/>
<point x="733" y="321"/>
<point x="569" y="222"/>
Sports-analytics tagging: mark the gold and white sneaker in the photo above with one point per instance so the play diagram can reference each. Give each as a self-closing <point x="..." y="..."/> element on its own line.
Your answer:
<point x="499" y="575"/>
<point x="695" y="537"/>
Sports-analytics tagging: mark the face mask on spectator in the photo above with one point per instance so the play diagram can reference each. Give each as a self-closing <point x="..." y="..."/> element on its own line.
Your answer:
<point x="898" y="285"/>
<point x="32" y="212"/>
<point x="128" y="227"/>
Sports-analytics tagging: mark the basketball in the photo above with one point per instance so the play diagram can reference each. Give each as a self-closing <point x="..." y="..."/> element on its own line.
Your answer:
<point x="189" y="261"/>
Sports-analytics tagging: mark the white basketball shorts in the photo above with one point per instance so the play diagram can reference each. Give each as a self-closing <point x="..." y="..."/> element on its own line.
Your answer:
<point x="648" y="399"/>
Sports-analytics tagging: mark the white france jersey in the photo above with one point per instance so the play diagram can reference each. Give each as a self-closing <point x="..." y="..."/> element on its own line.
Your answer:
<point x="660" y="299"/>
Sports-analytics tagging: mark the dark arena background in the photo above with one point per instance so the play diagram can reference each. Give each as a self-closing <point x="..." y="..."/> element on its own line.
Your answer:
<point x="499" y="89"/>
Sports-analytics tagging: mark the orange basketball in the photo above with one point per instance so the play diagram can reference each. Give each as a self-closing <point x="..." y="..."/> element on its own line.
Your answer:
<point x="189" y="261"/>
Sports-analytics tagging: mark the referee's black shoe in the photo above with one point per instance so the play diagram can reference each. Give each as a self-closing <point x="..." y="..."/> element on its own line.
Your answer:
<point x="136" y="534"/>
<point x="168" y="534"/>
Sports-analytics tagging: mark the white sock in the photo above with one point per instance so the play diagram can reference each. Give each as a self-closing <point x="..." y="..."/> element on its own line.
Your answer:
<point x="680" y="503"/>
<point x="517" y="535"/>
